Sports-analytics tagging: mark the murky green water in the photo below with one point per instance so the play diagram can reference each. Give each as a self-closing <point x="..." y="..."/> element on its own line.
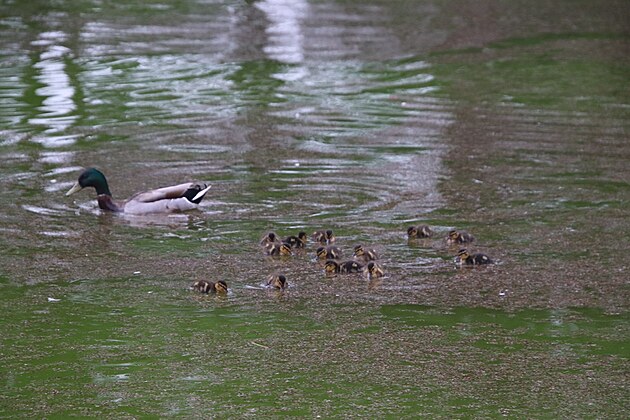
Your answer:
<point x="508" y="119"/>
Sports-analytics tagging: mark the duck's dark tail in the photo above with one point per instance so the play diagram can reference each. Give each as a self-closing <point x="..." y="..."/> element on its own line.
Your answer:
<point x="196" y="193"/>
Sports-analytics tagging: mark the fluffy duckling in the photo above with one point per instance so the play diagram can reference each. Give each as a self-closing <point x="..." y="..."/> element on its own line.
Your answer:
<point x="422" y="231"/>
<point x="325" y="237"/>
<point x="277" y="281"/>
<point x="296" y="241"/>
<point x="269" y="238"/>
<point x="345" y="267"/>
<point x="365" y="254"/>
<point x="328" y="253"/>
<point x="171" y="199"/>
<point x="466" y="258"/>
<point x="459" y="237"/>
<point x="373" y="270"/>
<point x="204" y="286"/>
<point x="275" y="249"/>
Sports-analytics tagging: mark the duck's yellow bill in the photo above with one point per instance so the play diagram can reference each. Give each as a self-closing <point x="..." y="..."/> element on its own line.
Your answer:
<point x="76" y="187"/>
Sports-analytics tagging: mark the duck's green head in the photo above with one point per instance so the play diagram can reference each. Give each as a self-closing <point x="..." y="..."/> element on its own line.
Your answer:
<point x="91" y="177"/>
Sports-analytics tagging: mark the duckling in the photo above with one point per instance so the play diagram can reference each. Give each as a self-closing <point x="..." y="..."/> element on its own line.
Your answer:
<point x="345" y="267"/>
<point x="459" y="237"/>
<point x="274" y="249"/>
<point x="296" y="241"/>
<point x="277" y="281"/>
<point x="269" y="238"/>
<point x="466" y="258"/>
<point x="204" y="286"/>
<point x="328" y="253"/>
<point x="365" y="254"/>
<point x="324" y="237"/>
<point x="422" y="231"/>
<point x="373" y="270"/>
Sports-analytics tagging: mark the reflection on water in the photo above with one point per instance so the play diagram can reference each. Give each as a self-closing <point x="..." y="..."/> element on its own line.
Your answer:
<point x="362" y="117"/>
<point x="284" y="32"/>
<point x="56" y="111"/>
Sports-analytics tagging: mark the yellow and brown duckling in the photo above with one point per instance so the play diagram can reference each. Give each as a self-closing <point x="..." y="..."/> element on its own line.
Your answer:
<point x="204" y="286"/>
<point x="328" y="253"/>
<point x="278" y="248"/>
<point x="345" y="267"/>
<point x="365" y="254"/>
<point x="296" y="241"/>
<point x="269" y="238"/>
<point x="466" y="258"/>
<point x="459" y="237"/>
<point x="374" y="270"/>
<point x="277" y="281"/>
<point x="422" y="231"/>
<point x="325" y="237"/>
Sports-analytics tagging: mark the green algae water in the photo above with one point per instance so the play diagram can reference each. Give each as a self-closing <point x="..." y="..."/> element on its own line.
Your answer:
<point x="507" y="119"/>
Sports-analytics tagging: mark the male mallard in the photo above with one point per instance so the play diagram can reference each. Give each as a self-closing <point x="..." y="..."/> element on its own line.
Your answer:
<point x="203" y="286"/>
<point x="365" y="254"/>
<point x="162" y="200"/>
<point x="328" y="253"/>
<point x="296" y="241"/>
<point x="465" y="258"/>
<point x="345" y="267"/>
<point x="277" y="281"/>
<point x="278" y="249"/>
<point x="459" y="237"/>
<point x="325" y="237"/>
<point x="373" y="270"/>
<point x="422" y="231"/>
<point x="269" y="238"/>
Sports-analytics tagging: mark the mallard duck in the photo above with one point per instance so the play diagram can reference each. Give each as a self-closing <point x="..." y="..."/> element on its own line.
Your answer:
<point x="345" y="267"/>
<point x="365" y="254"/>
<point x="459" y="237"/>
<point x="422" y="231"/>
<point x="328" y="253"/>
<point x="466" y="258"/>
<point x="277" y="281"/>
<point x="373" y="270"/>
<point x="325" y="237"/>
<point x="274" y="249"/>
<point x="296" y="241"/>
<point x="204" y="286"/>
<point x="269" y="238"/>
<point x="162" y="200"/>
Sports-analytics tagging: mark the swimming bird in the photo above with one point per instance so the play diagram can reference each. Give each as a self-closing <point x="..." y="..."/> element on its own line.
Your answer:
<point x="422" y="231"/>
<point x="277" y="281"/>
<point x="345" y="267"/>
<point x="365" y="254"/>
<point x="466" y="258"/>
<point x="204" y="286"/>
<point x="328" y="253"/>
<point x="176" y="198"/>
<point x="269" y="238"/>
<point x="373" y="270"/>
<point x="459" y="237"/>
<point x="325" y="237"/>
<point x="275" y="249"/>
<point x="296" y="241"/>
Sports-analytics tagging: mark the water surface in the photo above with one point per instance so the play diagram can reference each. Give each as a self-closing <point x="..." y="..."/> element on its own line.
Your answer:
<point x="508" y="119"/>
